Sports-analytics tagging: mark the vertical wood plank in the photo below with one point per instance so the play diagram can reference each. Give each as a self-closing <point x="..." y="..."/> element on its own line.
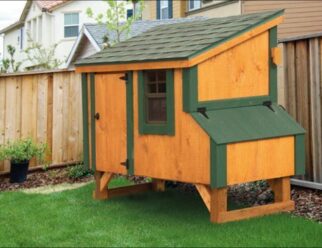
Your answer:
<point x="2" y="115"/>
<point x="303" y="97"/>
<point x="49" y="138"/>
<point x="290" y="84"/>
<point x="315" y="107"/>
<point x="57" y="118"/>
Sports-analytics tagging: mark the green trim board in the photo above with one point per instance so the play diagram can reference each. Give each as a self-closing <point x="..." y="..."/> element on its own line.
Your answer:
<point x="85" y="120"/>
<point x="93" y="121"/>
<point x="300" y="154"/>
<point x="158" y="129"/>
<point x="218" y="165"/>
<point x="180" y="41"/>
<point x="247" y="123"/>
<point x="130" y="123"/>
<point x="272" y="67"/>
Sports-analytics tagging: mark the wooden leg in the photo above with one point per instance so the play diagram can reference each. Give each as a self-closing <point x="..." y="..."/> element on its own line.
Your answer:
<point x="158" y="185"/>
<point x="102" y="179"/>
<point x="218" y="204"/>
<point x="281" y="188"/>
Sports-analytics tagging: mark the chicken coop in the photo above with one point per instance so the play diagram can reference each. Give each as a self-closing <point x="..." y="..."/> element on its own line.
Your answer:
<point x="193" y="102"/>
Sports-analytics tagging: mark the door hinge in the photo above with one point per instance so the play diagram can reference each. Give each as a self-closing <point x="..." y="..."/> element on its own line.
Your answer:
<point x="125" y="77"/>
<point x="203" y="111"/>
<point x="126" y="163"/>
<point x="269" y="105"/>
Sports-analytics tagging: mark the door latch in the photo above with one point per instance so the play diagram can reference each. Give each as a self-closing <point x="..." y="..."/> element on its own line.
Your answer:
<point x="97" y="116"/>
<point x="125" y="163"/>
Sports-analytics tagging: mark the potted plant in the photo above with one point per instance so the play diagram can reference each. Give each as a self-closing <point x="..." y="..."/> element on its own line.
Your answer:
<point x="20" y="152"/>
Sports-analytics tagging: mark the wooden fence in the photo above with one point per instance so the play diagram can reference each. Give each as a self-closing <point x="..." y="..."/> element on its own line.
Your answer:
<point x="45" y="106"/>
<point x="302" y="71"/>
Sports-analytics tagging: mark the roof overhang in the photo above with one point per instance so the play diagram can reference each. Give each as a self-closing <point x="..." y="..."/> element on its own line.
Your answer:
<point x="182" y="63"/>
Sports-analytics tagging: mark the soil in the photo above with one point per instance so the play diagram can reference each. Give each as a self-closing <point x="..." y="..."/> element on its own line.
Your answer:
<point x="42" y="178"/>
<point x="308" y="202"/>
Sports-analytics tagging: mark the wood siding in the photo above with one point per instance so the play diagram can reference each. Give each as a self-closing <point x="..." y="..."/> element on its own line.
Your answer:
<point x="301" y="17"/>
<point x="257" y="160"/>
<point x="184" y="157"/>
<point x="302" y="96"/>
<point x="45" y="107"/>
<point x="246" y="75"/>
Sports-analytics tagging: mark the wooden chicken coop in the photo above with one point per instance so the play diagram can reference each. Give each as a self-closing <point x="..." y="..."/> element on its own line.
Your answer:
<point x="193" y="102"/>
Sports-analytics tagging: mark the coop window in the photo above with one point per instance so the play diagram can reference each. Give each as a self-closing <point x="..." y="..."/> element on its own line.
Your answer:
<point x="156" y="102"/>
<point x="71" y="25"/>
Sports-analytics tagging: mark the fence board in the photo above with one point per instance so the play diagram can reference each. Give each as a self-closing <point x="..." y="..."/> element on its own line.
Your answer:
<point x="316" y="123"/>
<point x="303" y="80"/>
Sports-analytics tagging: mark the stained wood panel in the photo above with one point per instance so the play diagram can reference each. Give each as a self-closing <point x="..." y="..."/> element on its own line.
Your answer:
<point x="255" y="160"/>
<point x="241" y="71"/>
<point x="110" y="103"/>
<point x="184" y="157"/>
<point x="31" y="105"/>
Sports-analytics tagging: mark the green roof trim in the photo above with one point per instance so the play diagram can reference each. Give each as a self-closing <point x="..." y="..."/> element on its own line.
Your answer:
<point x="247" y="123"/>
<point x="179" y="41"/>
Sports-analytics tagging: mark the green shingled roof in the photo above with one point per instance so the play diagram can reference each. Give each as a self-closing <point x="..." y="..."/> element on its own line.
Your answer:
<point x="247" y="123"/>
<point x="179" y="41"/>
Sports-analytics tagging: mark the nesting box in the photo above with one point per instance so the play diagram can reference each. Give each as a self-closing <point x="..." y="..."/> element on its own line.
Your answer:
<point x="193" y="102"/>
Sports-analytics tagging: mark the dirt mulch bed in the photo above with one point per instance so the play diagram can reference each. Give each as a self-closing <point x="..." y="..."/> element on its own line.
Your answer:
<point x="42" y="178"/>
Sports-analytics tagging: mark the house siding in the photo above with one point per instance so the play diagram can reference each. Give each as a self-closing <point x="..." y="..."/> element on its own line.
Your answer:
<point x="301" y="17"/>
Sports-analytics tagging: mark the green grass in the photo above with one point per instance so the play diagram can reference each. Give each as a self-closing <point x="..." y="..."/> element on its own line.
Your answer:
<point x="171" y="218"/>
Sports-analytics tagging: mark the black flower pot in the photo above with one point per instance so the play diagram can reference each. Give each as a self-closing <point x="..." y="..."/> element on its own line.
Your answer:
<point x="18" y="171"/>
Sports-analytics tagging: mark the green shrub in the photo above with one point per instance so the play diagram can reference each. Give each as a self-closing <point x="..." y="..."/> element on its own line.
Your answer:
<point x="22" y="150"/>
<point x="79" y="171"/>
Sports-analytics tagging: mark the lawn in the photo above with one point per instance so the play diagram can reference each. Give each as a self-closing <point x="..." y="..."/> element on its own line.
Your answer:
<point x="171" y="218"/>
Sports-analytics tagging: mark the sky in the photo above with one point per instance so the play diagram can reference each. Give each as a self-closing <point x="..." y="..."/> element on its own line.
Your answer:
<point x="10" y="12"/>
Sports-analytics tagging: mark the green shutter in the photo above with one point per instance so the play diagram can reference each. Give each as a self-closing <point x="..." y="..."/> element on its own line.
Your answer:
<point x="93" y="120"/>
<point x="300" y="154"/>
<point x="85" y="120"/>
<point x="129" y="122"/>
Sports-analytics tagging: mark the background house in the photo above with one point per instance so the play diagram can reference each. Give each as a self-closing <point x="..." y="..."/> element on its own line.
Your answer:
<point x="301" y="17"/>
<point x="49" y="23"/>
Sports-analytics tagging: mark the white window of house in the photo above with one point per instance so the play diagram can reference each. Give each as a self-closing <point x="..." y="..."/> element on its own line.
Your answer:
<point x="40" y="29"/>
<point x="164" y="9"/>
<point x="71" y="24"/>
<point x="194" y="4"/>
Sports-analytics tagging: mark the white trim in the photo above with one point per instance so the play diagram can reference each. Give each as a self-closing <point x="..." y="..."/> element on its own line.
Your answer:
<point x="82" y="33"/>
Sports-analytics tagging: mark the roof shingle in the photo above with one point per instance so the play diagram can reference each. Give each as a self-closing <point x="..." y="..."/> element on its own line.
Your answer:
<point x="180" y="40"/>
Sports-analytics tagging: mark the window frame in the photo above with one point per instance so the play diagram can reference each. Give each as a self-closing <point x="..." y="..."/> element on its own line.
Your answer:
<point x="195" y="8"/>
<point x="156" y="128"/>
<point x="160" y="8"/>
<point x="71" y="25"/>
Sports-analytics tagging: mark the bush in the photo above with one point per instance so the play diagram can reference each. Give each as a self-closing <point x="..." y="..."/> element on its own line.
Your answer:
<point x="22" y="150"/>
<point x="79" y="171"/>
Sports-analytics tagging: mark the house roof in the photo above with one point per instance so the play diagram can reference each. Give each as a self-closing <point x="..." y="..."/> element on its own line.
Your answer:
<point x="44" y="5"/>
<point x="98" y="31"/>
<point x="179" y="41"/>
<point x="49" y="5"/>
<point x="247" y="123"/>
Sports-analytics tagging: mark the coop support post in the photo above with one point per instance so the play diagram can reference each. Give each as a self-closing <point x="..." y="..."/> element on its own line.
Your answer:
<point x="102" y="179"/>
<point x="218" y="204"/>
<point x="158" y="185"/>
<point x="281" y="188"/>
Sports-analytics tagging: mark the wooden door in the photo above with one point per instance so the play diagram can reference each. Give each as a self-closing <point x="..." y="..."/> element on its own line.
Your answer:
<point x="110" y="104"/>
